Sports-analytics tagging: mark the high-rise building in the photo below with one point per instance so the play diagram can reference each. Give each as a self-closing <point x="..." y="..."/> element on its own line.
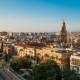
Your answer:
<point x="63" y="34"/>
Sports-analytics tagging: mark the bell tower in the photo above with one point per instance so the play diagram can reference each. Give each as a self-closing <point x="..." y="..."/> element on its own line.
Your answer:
<point x="63" y="33"/>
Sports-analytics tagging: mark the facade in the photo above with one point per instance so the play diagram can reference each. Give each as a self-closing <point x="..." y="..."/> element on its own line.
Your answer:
<point x="60" y="56"/>
<point x="23" y="50"/>
<point x="75" y="62"/>
<point x="8" y="47"/>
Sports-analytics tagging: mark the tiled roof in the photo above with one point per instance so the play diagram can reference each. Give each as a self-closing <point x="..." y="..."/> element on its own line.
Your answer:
<point x="30" y="44"/>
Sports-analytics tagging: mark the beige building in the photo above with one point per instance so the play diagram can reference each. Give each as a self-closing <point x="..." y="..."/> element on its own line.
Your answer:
<point x="61" y="56"/>
<point x="23" y="50"/>
<point x="8" y="47"/>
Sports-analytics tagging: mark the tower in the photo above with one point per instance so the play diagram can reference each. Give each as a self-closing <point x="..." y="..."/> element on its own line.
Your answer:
<point x="63" y="34"/>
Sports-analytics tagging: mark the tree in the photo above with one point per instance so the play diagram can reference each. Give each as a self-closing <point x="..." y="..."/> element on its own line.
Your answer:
<point x="15" y="66"/>
<point x="70" y="75"/>
<point x="21" y="63"/>
<point x="26" y="63"/>
<point x="2" y="46"/>
<point x="6" y="56"/>
<point x="9" y="55"/>
<point x="46" y="70"/>
<point x="33" y="58"/>
<point x="21" y="51"/>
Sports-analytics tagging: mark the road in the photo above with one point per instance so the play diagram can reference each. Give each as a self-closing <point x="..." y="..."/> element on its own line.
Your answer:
<point x="10" y="74"/>
<point x="3" y="75"/>
<point x="6" y="74"/>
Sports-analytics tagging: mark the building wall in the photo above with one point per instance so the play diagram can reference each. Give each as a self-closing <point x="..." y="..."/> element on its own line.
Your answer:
<point x="21" y="51"/>
<point x="75" y="63"/>
<point x="62" y="59"/>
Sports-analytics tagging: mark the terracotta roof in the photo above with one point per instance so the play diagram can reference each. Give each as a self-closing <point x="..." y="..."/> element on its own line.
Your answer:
<point x="36" y="44"/>
<point x="31" y="44"/>
<point x="23" y="45"/>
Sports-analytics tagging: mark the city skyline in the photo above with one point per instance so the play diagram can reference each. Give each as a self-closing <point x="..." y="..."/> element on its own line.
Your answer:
<point x="39" y="15"/>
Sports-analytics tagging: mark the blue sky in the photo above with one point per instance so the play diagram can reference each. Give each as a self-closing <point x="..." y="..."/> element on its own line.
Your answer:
<point x="39" y="15"/>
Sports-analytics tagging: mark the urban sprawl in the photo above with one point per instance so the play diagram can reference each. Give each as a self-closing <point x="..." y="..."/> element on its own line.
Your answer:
<point x="24" y="55"/>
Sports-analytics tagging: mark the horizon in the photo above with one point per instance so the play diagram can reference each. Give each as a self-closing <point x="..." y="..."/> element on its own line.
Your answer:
<point x="39" y="15"/>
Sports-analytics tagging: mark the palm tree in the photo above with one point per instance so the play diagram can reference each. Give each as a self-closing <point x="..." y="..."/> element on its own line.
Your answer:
<point x="35" y="53"/>
<point x="2" y="46"/>
<point x="46" y="55"/>
<point x="21" y="51"/>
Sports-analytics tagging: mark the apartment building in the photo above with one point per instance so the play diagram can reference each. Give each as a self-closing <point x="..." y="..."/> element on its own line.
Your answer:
<point x="75" y="62"/>
<point x="60" y="56"/>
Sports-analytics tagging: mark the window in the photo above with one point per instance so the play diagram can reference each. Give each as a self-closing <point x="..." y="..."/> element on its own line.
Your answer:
<point x="31" y="52"/>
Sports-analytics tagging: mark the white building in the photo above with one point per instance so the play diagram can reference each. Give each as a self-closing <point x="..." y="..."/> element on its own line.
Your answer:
<point x="75" y="62"/>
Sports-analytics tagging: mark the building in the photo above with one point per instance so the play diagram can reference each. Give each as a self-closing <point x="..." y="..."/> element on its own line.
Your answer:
<point x="59" y="55"/>
<point x="3" y="33"/>
<point x="23" y="50"/>
<point x="75" y="62"/>
<point x="8" y="47"/>
<point x="63" y="34"/>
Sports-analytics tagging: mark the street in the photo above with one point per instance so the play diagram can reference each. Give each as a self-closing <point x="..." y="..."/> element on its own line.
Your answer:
<point x="3" y="75"/>
<point x="6" y="74"/>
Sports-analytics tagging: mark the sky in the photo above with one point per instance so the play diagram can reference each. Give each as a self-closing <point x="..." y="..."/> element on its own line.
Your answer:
<point x="39" y="15"/>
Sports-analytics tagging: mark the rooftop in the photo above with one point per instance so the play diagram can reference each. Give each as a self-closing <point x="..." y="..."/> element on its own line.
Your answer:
<point x="76" y="54"/>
